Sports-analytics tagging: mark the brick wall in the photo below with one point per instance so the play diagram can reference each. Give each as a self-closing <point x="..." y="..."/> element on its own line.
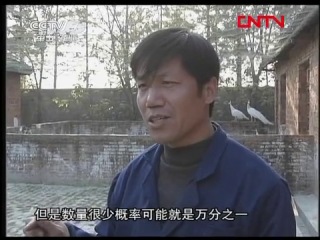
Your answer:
<point x="136" y="127"/>
<point x="306" y="49"/>
<point x="91" y="127"/>
<point x="69" y="159"/>
<point x="13" y="97"/>
<point x="12" y="129"/>
<point x="95" y="159"/>
<point x="290" y="155"/>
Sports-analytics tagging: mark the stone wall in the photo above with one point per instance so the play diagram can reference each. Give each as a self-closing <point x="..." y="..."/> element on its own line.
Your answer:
<point x="95" y="159"/>
<point x="137" y="127"/>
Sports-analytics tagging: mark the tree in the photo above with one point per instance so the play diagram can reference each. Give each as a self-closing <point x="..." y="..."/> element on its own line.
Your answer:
<point x="21" y="40"/>
<point x="125" y="26"/>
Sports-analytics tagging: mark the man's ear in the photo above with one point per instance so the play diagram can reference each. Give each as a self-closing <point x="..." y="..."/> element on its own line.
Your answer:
<point x="211" y="90"/>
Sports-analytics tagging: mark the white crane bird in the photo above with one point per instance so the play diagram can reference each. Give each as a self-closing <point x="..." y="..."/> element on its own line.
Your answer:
<point x="237" y="114"/>
<point x="256" y="114"/>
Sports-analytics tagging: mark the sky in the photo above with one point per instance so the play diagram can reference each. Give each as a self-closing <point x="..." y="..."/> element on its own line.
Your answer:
<point x="70" y="67"/>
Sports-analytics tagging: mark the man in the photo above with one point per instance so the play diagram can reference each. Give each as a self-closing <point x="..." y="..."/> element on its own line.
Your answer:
<point x="195" y="181"/>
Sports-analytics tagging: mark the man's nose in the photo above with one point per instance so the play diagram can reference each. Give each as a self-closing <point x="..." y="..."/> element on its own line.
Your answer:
<point x="154" y="97"/>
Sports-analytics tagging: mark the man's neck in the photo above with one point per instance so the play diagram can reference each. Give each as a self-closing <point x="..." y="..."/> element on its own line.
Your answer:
<point x="189" y="154"/>
<point x="196" y="135"/>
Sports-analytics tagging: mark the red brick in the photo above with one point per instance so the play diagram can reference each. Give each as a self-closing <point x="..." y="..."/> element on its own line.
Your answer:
<point x="13" y="97"/>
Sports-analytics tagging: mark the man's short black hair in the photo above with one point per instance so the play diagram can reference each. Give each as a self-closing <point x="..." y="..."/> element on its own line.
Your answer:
<point x="197" y="55"/>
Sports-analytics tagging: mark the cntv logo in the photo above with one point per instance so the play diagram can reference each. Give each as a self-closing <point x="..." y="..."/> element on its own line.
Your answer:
<point x="246" y="21"/>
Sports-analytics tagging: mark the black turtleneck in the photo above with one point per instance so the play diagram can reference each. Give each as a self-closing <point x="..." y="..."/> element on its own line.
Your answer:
<point x="177" y="167"/>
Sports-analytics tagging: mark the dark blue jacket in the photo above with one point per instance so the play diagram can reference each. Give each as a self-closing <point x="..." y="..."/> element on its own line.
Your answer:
<point x="247" y="196"/>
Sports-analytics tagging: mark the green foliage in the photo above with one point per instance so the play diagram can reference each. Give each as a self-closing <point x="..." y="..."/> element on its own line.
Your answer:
<point x="62" y="103"/>
<point x="83" y="103"/>
<point x="111" y="104"/>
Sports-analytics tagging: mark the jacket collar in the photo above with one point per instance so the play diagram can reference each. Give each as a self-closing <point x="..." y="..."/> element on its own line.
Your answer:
<point x="210" y="159"/>
<point x="207" y="167"/>
<point x="212" y="156"/>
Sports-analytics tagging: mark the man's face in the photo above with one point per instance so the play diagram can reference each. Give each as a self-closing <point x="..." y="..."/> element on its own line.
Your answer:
<point x="172" y="107"/>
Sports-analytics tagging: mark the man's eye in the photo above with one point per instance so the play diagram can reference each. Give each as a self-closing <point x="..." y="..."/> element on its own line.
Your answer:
<point x="142" y="85"/>
<point x="168" y="83"/>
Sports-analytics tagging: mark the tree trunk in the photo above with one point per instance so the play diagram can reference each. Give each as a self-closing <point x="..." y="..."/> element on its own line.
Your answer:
<point x="128" y="88"/>
<point x="239" y="63"/>
<point x="255" y="80"/>
<point x="160" y="27"/>
<point x="208" y="21"/>
<point x="267" y="80"/>
<point x="56" y="51"/>
<point x="87" y="55"/>
<point x="21" y="25"/>
<point x="21" y="51"/>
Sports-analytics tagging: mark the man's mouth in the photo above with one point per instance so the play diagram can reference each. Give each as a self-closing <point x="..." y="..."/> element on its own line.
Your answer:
<point x="155" y="118"/>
